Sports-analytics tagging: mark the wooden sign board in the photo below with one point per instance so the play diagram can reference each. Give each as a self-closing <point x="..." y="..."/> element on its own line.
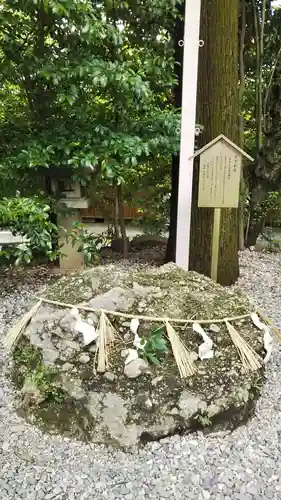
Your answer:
<point x="219" y="184"/>
<point x="219" y="176"/>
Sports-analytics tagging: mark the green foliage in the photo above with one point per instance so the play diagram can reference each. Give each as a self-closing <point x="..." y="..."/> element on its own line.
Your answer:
<point x="86" y="84"/>
<point x="155" y="347"/>
<point x="28" y="364"/>
<point x="45" y="380"/>
<point x="156" y="222"/>
<point x="270" y="237"/>
<point x="262" y="122"/>
<point x="27" y="355"/>
<point x="270" y="208"/>
<point x="88" y="243"/>
<point x="154" y="200"/>
<point x="31" y="219"/>
<point x="203" y="419"/>
<point x="267" y="211"/>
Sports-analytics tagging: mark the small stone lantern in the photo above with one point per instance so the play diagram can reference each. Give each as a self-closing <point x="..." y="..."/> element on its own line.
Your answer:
<point x="72" y="194"/>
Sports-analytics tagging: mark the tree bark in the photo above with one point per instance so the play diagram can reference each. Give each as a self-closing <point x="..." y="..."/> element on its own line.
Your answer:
<point x="254" y="231"/>
<point x="265" y="174"/>
<point x="122" y="221"/>
<point x="259" y="190"/>
<point x="178" y="35"/>
<point x="241" y="210"/>
<point x="116" y="218"/>
<point x="217" y="111"/>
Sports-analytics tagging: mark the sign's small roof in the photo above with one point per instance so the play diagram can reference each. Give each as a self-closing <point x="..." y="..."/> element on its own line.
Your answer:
<point x="222" y="137"/>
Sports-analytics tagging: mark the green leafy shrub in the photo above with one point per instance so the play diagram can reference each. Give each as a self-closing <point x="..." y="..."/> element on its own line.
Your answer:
<point x="28" y="365"/>
<point x="269" y="210"/>
<point x="45" y="381"/>
<point x="153" y="201"/>
<point x="203" y="419"/>
<point x="88" y="243"/>
<point x="270" y="237"/>
<point x="271" y="207"/>
<point x="29" y="217"/>
<point x="155" y="347"/>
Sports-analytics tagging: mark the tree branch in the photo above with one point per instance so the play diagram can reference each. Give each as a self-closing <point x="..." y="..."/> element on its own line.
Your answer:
<point x="268" y="90"/>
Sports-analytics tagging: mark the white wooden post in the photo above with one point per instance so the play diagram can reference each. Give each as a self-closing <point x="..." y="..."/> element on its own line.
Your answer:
<point x="189" y="96"/>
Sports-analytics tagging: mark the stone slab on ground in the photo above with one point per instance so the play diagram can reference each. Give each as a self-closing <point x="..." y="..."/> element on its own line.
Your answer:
<point x="134" y="408"/>
<point x="247" y="461"/>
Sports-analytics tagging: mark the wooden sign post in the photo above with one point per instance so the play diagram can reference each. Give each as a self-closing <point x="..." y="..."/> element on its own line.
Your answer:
<point x="219" y="184"/>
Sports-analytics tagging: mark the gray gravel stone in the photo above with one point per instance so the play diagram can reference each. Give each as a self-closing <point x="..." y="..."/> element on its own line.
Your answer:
<point x="116" y="298"/>
<point x="214" y="327"/>
<point x="84" y="358"/>
<point x="135" y="368"/>
<point x="243" y="496"/>
<point x="50" y="356"/>
<point x="67" y="367"/>
<point x="244" y="462"/>
<point x="110" y="376"/>
<point x="206" y="495"/>
<point x="124" y="491"/>
<point x="73" y="345"/>
<point x="163" y="493"/>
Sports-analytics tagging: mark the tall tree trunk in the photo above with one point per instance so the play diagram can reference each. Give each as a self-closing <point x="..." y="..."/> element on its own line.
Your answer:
<point x="116" y="218"/>
<point x="122" y="221"/>
<point x="178" y="35"/>
<point x="264" y="175"/>
<point x="259" y="16"/>
<point x="259" y="190"/>
<point x="217" y="111"/>
<point x="241" y="231"/>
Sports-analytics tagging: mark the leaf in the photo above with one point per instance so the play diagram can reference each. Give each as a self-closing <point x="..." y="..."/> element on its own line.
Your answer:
<point x="152" y="358"/>
<point x="160" y="330"/>
<point x="161" y="344"/>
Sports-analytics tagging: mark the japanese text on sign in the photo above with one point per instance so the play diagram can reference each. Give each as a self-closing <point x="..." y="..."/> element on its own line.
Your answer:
<point x="219" y="179"/>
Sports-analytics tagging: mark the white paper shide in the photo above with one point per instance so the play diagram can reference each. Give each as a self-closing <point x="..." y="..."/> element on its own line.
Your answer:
<point x="88" y="331"/>
<point x="205" y="350"/>
<point x="267" y="338"/>
<point x="139" y="343"/>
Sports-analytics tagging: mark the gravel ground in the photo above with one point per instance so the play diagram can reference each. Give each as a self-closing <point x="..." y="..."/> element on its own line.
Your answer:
<point x="243" y="465"/>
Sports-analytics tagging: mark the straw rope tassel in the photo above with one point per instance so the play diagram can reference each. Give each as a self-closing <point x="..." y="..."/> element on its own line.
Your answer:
<point x="111" y="333"/>
<point x="180" y="352"/>
<point x="15" y="332"/>
<point x="251" y="361"/>
<point x="102" y="352"/>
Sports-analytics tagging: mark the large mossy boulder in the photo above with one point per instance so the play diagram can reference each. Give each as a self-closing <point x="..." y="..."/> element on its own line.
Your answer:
<point x="61" y="391"/>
